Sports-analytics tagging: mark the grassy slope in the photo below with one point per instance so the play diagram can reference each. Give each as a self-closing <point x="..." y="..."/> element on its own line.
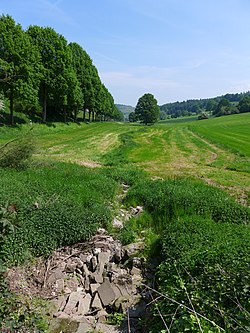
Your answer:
<point x="178" y="149"/>
<point x="211" y="150"/>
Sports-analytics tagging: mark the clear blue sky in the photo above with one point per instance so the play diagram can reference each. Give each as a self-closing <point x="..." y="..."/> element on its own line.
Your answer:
<point x="174" y="49"/>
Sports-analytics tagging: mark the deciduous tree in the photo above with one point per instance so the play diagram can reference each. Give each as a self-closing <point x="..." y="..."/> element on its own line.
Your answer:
<point x="147" y="109"/>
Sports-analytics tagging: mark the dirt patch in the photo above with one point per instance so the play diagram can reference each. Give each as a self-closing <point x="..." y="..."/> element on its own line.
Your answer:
<point x="89" y="164"/>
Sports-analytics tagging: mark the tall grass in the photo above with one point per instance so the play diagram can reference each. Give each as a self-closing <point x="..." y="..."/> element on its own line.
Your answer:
<point x="56" y="204"/>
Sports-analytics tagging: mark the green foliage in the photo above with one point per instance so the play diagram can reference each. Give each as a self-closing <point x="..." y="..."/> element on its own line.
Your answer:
<point x="116" y="318"/>
<point x="19" y="69"/>
<point x="147" y="109"/>
<point x="132" y="117"/>
<point x="171" y="199"/>
<point x="61" y="205"/>
<point x="205" y="267"/>
<point x="119" y="155"/>
<point x="38" y="66"/>
<point x="127" y="235"/>
<point x="21" y="314"/>
<point x="16" y="153"/>
<point x="205" y="239"/>
<point x="244" y="104"/>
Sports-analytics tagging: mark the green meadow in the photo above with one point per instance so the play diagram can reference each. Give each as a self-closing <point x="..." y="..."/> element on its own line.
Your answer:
<point x="192" y="177"/>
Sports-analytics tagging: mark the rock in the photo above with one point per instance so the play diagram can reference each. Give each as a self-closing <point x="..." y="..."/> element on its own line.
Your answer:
<point x="59" y="303"/>
<point x="103" y="258"/>
<point x="72" y="283"/>
<point x="66" y="290"/>
<point x="121" y="303"/>
<point x="57" y="274"/>
<point x="133" y="248"/>
<point x="116" y="290"/>
<point x="84" y="305"/>
<point x="101" y="231"/>
<point x="139" y="209"/>
<point x="101" y="246"/>
<point x="59" y="285"/>
<point x="78" y="262"/>
<point x="104" y="328"/>
<point x="124" y="290"/>
<point x="63" y="315"/>
<point x="118" y="254"/>
<point x="98" y="278"/>
<point x="117" y="223"/>
<point x="70" y="267"/>
<point x="96" y="251"/>
<point x="87" y="284"/>
<point x="96" y="304"/>
<point x="94" y="287"/>
<point x="84" y="257"/>
<point x="102" y="316"/>
<point x="78" y="318"/>
<point x="90" y="319"/>
<point x="86" y="271"/>
<point x="74" y="299"/>
<point x="135" y="271"/>
<point x="84" y="328"/>
<point x="106" y="293"/>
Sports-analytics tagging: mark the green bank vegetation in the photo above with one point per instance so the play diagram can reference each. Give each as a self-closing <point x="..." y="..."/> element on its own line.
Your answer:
<point x="51" y="199"/>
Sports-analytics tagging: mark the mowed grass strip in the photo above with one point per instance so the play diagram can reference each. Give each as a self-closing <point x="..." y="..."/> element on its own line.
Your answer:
<point x="70" y="143"/>
<point x="231" y="132"/>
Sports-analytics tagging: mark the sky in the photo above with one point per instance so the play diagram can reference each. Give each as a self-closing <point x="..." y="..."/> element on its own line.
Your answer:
<point x="173" y="49"/>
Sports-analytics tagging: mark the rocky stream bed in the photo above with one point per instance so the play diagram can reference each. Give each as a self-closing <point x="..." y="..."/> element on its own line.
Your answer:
<point x="91" y="283"/>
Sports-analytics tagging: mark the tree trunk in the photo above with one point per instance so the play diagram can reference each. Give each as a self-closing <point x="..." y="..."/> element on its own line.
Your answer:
<point x="75" y="115"/>
<point x="44" y="116"/>
<point x="84" y="114"/>
<point x="89" y="115"/>
<point x="65" y="114"/>
<point x="93" y="116"/>
<point x="11" y="106"/>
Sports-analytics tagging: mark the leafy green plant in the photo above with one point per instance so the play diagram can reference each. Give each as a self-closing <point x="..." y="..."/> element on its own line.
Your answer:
<point x="116" y="318"/>
<point x="205" y="276"/>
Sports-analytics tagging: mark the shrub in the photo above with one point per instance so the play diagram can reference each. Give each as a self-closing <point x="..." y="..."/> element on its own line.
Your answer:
<point x="16" y="153"/>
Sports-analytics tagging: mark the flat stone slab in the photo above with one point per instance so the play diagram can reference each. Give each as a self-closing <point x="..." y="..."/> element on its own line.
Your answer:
<point x="106" y="293"/>
<point x="84" y="305"/>
<point x="96" y="304"/>
<point x="74" y="298"/>
<point x="84" y="328"/>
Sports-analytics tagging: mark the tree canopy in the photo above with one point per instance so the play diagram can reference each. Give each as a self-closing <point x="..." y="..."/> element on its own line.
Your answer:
<point x="147" y="110"/>
<point x="41" y="74"/>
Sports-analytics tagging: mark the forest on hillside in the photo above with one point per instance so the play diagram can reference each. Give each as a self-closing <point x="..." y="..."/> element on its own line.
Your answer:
<point x="218" y="106"/>
<point x="44" y="76"/>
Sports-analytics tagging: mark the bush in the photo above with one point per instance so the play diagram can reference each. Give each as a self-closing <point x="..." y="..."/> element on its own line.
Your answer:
<point x="16" y="153"/>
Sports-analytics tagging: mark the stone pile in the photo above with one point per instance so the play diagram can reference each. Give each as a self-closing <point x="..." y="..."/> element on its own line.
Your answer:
<point x="94" y="281"/>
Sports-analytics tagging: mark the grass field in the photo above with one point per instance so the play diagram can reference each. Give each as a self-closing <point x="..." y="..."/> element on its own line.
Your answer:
<point x="214" y="150"/>
<point x="70" y="189"/>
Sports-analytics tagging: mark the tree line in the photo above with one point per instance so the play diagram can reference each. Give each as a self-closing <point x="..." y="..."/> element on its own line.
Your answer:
<point x="43" y="75"/>
<point x="218" y="106"/>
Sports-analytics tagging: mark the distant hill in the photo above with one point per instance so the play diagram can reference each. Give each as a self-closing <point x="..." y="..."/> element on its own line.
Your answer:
<point x="196" y="106"/>
<point x="125" y="109"/>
